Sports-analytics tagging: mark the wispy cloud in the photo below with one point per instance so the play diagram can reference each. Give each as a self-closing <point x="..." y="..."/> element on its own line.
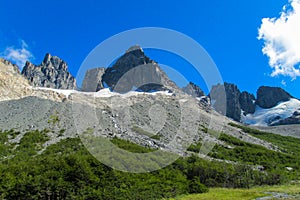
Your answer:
<point x="282" y="40"/>
<point x="283" y="82"/>
<point x="18" y="55"/>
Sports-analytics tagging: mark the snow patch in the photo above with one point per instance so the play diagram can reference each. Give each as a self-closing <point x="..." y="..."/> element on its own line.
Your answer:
<point x="105" y="92"/>
<point x="264" y="117"/>
<point x="67" y="93"/>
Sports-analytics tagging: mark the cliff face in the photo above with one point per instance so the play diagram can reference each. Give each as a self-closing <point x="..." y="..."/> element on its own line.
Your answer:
<point x="51" y="73"/>
<point x="247" y="102"/>
<point x="12" y="84"/>
<point x="268" y="97"/>
<point x="135" y="71"/>
<point x="193" y="90"/>
<point x="92" y="81"/>
<point x="236" y="101"/>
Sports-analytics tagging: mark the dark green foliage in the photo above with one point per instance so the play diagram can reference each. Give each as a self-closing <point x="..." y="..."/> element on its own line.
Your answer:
<point x="131" y="147"/>
<point x="285" y="143"/>
<point x="195" y="147"/>
<point x="274" y="162"/>
<point x="66" y="170"/>
<point x="195" y="186"/>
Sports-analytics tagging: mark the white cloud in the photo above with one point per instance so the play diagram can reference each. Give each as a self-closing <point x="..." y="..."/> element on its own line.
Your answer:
<point x="282" y="40"/>
<point x="18" y="55"/>
<point x="283" y="82"/>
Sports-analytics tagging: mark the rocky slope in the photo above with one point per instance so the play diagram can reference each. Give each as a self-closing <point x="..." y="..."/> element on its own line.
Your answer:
<point x="174" y="121"/>
<point x="14" y="86"/>
<point x="51" y="73"/>
<point x="193" y="90"/>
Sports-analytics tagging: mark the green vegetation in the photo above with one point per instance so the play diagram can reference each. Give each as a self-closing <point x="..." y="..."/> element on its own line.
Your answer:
<point x="141" y="131"/>
<point x="195" y="147"/>
<point x="131" y="147"/>
<point x="66" y="170"/>
<point x="272" y="161"/>
<point x="244" y="194"/>
<point x="53" y="119"/>
<point x="285" y="143"/>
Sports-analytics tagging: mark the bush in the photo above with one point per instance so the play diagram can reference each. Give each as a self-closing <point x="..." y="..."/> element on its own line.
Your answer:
<point x="195" y="186"/>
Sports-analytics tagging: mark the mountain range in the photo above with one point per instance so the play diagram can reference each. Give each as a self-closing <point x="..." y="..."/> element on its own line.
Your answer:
<point x="271" y="106"/>
<point x="46" y="90"/>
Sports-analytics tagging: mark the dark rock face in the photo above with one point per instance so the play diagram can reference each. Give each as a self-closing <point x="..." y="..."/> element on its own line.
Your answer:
<point x="193" y="90"/>
<point x="232" y="98"/>
<point x="217" y="97"/>
<point x="235" y="101"/>
<point x="92" y="81"/>
<point x="52" y="73"/>
<point x="268" y="97"/>
<point x="247" y="102"/>
<point x="135" y="71"/>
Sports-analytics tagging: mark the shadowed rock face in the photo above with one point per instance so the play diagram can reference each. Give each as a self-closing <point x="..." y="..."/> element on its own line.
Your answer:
<point x="92" y="81"/>
<point x="247" y="102"/>
<point x="193" y="90"/>
<point x="52" y="73"/>
<point x="231" y="101"/>
<point x="135" y="71"/>
<point x="235" y="100"/>
<point x="268" y="97"/>
<point x="232" y="98"/>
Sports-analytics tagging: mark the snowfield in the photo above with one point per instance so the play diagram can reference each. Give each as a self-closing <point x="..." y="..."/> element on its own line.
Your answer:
<point x="104" y="92"/>
<point x="264" y="117"/>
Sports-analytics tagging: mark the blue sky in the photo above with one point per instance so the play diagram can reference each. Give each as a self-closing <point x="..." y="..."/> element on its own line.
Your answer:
<point x="228" y="30"/>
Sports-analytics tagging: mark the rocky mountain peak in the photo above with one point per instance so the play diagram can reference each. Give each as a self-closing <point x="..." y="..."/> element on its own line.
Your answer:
<point x="268" y="97"/>
<point x="14" y="67"/>
<point x="134" y="70"/>
<point x="47" y="58"/>
<point x="236" y="101"/>
<point x="247" y="102"/>
<point x="52" y="73"/>
<point x="135" y="48"/>
<point x="193" y="90"/>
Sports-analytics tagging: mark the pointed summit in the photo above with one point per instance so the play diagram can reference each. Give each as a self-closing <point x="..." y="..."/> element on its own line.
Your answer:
<point x="47" y="58"/>
<point x="135" y="48"/>
<point x="193" y="90"/>
<point x="135" y="70"/>
<point x="52" y="73"/>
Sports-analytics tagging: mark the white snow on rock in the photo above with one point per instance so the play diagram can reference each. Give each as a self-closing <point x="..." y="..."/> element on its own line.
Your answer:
<point x="105" y="92"/>
<point x="263" y="117"/>
<point x="59" y="91"/>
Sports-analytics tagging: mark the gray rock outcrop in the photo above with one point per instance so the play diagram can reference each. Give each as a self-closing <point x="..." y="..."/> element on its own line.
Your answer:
<point x="268" y="97"/>
<point x="235" y="100"/>
<point x="232" y="98"/>
<point x="135" y="71"/>
<point x="92" y="81"/>
<point x="193" y="90"/>
<point x="52" y="73"/>
<point x="247" y="102"/>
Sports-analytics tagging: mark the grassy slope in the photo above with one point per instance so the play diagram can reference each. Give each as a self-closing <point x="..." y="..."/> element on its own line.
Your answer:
<point x="243" y="194"/>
